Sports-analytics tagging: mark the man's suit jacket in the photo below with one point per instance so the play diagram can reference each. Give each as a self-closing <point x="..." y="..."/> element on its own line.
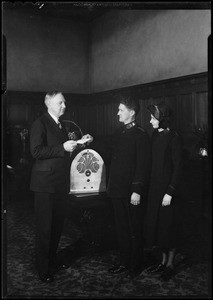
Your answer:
<point x="50" y="172"/>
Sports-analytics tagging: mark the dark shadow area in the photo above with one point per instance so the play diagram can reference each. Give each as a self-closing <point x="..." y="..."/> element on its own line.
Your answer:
<point x="88" y="245"/>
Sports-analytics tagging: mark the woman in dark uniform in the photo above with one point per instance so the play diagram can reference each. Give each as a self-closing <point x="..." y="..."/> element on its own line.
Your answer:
<point x="162" y="213"/>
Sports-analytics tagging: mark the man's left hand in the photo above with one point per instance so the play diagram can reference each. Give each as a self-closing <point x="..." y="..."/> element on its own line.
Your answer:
<point x="135" y="198"/>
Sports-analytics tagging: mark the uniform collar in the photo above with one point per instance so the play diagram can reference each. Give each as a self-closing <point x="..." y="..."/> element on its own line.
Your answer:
<point x="129" y="125"/>
<point x="164" y="132"/>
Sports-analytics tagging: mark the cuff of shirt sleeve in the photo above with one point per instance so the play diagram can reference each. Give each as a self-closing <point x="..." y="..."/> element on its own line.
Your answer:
<point x="171" y="190"/>
<point x="136" y="188"/>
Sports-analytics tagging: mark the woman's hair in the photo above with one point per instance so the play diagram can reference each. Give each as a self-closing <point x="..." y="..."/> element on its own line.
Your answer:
<point x="130" y="103"/>
<point x="162" y="113"/>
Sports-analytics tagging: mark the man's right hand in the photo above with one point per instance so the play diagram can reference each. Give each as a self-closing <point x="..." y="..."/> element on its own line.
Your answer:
<point x="69" y="146"/>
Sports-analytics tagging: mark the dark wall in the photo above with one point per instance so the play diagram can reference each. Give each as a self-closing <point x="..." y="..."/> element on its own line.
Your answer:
<point x="45" y="53"/>
<point x="131" y="46"/>
<point x="121" y="48"/>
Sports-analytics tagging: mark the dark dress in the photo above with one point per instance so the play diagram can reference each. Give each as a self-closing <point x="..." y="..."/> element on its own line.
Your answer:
<point x="162" y="222"/>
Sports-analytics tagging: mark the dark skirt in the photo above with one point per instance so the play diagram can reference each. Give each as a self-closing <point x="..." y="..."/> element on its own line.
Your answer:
<point x="162" y="223"/>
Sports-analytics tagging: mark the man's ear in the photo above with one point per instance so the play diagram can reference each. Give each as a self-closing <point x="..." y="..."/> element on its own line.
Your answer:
<point x="47" y="102"/>
<point x="132" y="112"/>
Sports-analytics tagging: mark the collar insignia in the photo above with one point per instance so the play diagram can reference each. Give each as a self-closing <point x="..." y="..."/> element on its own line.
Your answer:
<point x="130" y="125"/>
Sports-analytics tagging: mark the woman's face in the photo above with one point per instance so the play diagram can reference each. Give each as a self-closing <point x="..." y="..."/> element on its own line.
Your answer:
<point x="154" y="122"/>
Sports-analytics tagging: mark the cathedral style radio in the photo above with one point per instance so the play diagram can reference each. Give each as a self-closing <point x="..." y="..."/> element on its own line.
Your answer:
<point x="87" y="173"/>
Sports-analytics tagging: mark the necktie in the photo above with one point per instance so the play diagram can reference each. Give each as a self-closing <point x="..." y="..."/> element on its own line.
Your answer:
<point x="59" y="125"/>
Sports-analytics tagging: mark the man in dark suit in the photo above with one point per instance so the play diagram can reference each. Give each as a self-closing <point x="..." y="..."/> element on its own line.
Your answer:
<point x="128" y="187"/>
<point x="50" y="180"/>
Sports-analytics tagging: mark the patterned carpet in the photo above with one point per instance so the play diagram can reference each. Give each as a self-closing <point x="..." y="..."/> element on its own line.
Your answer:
<point x="87" y="276"/>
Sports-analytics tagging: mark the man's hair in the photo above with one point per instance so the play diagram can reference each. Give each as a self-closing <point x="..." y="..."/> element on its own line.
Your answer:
<point x="50" y="95"/>
<point x="130" y="103"/>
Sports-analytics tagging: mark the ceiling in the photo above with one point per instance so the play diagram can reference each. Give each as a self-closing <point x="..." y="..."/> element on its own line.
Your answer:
<point x="88" y="11"/>
<point x="81" y="11"/>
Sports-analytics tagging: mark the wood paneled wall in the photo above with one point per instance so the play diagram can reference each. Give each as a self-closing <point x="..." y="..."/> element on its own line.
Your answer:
<point x="187" y="96"/>
<point x="97" y="113"/>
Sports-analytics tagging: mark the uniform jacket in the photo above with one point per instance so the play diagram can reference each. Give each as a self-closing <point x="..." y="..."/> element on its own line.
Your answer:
<point x="130" y="163"/>
<point x="50" y="172"/>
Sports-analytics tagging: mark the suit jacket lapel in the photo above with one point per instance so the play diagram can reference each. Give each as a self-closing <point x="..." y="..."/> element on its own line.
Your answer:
<point x="61" y="133"/>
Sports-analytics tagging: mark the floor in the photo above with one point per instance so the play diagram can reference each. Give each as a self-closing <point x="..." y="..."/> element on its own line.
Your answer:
<point x="87" y="276"/>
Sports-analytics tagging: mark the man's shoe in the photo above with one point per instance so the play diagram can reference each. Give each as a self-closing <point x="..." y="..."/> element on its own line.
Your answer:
<point x="63" y="266"/>
<point x="167" y="273"/>
<point x="134" y="273"/>
<point x="46" y="277"/>
<point x="59" y="266"/>
<point x="156" y="269"/>
<point x="118" y="269"/>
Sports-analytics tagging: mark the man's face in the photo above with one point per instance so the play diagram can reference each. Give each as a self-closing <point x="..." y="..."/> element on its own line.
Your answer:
<point x="125" y="114"/>
<point x="56" y="105"/>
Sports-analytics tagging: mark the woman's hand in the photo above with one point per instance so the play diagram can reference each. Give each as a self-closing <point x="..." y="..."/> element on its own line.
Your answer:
<point x="166" y="200"/>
